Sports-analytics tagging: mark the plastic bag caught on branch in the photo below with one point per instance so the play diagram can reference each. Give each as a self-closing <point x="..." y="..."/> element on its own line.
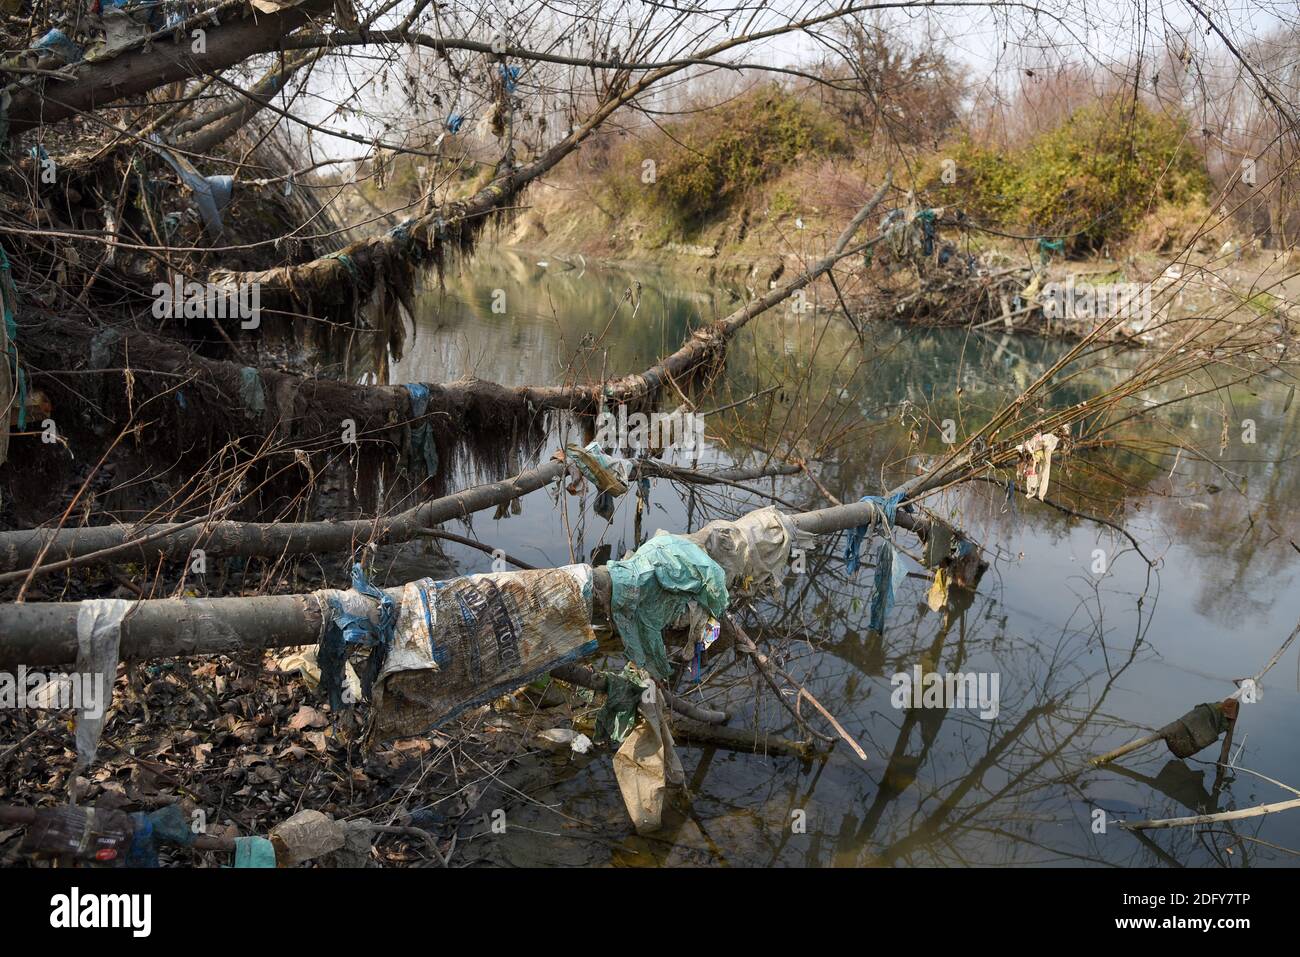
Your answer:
<point x="609" y="477"/>
<point x="753" y="550"/>
<point x="655" y="587"/>
<point x="211" y="193"/>
<point x="647" y="767"/>
<point x="99" y="635"/>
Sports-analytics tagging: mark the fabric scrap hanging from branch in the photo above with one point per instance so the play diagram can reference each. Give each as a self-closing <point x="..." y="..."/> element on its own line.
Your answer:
<point x="423" y="451"/>
<point x="350" y="626"/>
<point x="890" y="570"/>
<point x="885" y="509"/>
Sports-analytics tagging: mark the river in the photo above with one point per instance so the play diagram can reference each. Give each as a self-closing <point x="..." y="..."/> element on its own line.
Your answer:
<point x="1090" y="644"/>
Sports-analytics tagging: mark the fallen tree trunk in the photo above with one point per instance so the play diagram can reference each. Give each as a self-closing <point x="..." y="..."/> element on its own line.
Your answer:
<point x="294" y="396"/>
<point x="689" y="731"/>
<point x="45" y="633"/>
<point x="103" y="544"/>
<point x="308" y="411"/>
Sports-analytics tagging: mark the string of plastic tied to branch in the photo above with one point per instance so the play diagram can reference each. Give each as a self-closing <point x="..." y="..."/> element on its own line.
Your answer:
<point x="951" y="556"/>
<point x="1048" y="246"/>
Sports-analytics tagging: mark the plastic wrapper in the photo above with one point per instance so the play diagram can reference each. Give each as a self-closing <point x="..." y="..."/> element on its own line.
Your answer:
<point x="462" y="642"/>
<point x="753" y="550"/>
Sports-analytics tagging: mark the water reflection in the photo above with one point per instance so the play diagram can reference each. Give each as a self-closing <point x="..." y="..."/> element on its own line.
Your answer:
<point x="1084" y="658"/>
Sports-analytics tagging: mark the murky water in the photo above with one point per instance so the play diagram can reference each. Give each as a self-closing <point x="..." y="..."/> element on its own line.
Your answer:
<point x="1091" y="646"/>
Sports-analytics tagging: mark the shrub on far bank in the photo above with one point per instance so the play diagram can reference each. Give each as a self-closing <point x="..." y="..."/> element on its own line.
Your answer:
<point x="707" y="163"/>
<point x="1093" y="179"/>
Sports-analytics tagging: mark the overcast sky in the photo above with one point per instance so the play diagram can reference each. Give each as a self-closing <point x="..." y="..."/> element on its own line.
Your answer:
<point x="997" y="42"/>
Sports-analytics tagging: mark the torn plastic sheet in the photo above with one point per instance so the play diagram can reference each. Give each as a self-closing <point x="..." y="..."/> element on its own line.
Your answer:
<point x="251" y="392"/>
<point x="165" y="825"/>
<point x="618" y="715"/>
<point x="890" y="572"/>
<point x="99" y="635"/>
<point x="509" y="76"/>
<point x="57" y="43"/>
<point x="123" y="27"/>
<point x="654" y="588"/>
<point x="910" y="232"/>
<point x="307" y="835"/>
<point x="938" y="594"/>
<point x="254" y="852"/>
<point x="465" y="641"/>
<point x="1198" y="729"/>
<point x="647" y="768"/>
<point x="1038" y="463"/>
<point x="302" y="662"/>
<point x="605" y="473"/>
<point x="753" y="550"/>
<point x="938" y="543"/>
<point x="363" y="618"/>
<point x="610" y="477"/>
<point x="211" y="193"/>
<point x="423" y="451"/>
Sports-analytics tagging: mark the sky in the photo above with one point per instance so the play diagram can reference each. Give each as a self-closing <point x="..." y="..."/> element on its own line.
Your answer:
<point x="1001" y="44"/>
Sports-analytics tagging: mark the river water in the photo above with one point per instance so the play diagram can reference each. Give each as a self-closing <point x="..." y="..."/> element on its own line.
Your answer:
<point x="1091" y="645"/>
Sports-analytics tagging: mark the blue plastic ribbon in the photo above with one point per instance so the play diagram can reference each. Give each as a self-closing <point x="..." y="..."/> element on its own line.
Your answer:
<point x="890" y="570"/>
<point x="423" y="449"/>
<point x="890" y="573"/>
<point x="345" y="631"/>
<point x="887" y="507"/>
